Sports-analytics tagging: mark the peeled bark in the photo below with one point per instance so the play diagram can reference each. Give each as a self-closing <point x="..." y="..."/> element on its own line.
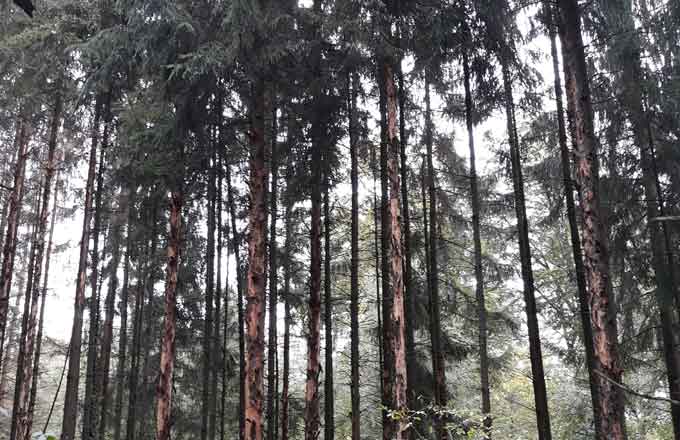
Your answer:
<point x="164" y="389"/>
<point x="70" y="417"/>
<point x="10" y="242"/>
<point x="594" y="237"/>
<point x="354" y="264"/>
<point x="257" y="262"/>
<point x="584" y="307"/>
<point x="23" y="414"/>
<point x="476" y="238"/>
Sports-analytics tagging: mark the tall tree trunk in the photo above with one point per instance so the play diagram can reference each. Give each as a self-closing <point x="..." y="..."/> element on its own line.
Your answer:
<point x="352" y="84"/>
<point x="397" y="338"/>
<point x="439" y="367"/>
<point x="208" y="392"/>
<point x="272" y="347"/>
<point x="123" y="336"/>
<point x="104" y="361"/>
<point x="164" y="389"/>
<point x="329" y="404"/>
<point x="236" y="239"/>
<point x="70" y="417"/>
<point x="10" y="242"/>
<point x="378" y="269"/>
<point x="24" y="415"/>
<point x="536" y="357"/>
<point x="90" y="415"/>
<point x="584" y="307"/>
<point x="594" y="238"/>
<point x="476" y="238"/>
<point x="286" y="322"/>
<point x="221" y="340"/>
<point x="257" y="262"/>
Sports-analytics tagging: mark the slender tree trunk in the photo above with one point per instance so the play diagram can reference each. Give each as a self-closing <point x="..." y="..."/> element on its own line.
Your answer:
<point x="397" y="341"/>
<point x="584" y="306"/>
<point x="70" y="417"/>
<point x="439" y="371"/>
<point x="353" y="83"/>
<point x="123" y="336"/>
<point x="239" y="294"/>
<point x="23" y="415"/>
<point x="329" y="404"/>
<point x="272" y="350"/>
<point x="104" y="361"/>
<point x="164" y="389"/>
<point x="594" y="239"/>
<point x="221" y="340"/>
<point x="476" y="238"/>
<point x="286" y="323"/>
<point x="208" y="327"/>
<point x="10" y="242"/>
<point x="257" y="262"/>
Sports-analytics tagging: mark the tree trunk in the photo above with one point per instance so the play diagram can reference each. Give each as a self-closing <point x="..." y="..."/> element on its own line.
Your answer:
<point x="476" y="238"/>
<point x="397" y="341"/>
<point x="329" y="404"/>
<point x="584" y="307"/>
<point x="594" y="239"/>
<point x="272" y="348"/>
<point x="353" y="83"/>
<point x="10" y="242"/>
<point x="286" y="323"/>
<point x="257" y="262"/>
<point x="221" y="340"/>
<point x="104" y="361"/>
<point x="23" y="415"/>
<point x="164" y="389"/>
<point x="439" y="367"/>
<point x="122" y="343"/>
<point x="536" y="357"/>
<point x="70" y="417"/>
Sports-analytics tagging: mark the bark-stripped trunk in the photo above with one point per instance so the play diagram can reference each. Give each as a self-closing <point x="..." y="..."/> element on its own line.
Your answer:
<point x="208" y="392"/>
<point x="123" y="336"/>
<point x="397" y="338"/>
<point x="23" y="415"/>
<point x="70" y="417"/>
<point x="286" y="323"/>
<point x="438" y="365"/>
<point x="257" y="262"/>
<point x="477" y="240"/>
<point x="318" y="131"/>
<point x="10" y="242"/>
<point x="272" y="348"/>
<point x="329" y="404"/>
<point x="584" y="307"/>
<point x="594" y="237"/>
<point x="164" y="389"/>
<point x="104" y="361"/>
<point x="352" y="84"/>
<point x="536" y="357"/>
<point x="236" y="239"/>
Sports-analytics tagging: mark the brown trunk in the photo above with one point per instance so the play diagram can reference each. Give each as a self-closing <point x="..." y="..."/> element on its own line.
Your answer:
<point x="536" y="357"/>
<point x="397" y="342"/>
<point x="329" y="404"/>
<point x="257" y="262"/>
<point x="352" y="85"/>
<point x="70" y="417"/>
<point x="164" y="389"/>
<point x="23" y="414"/>
<point x="10" y="242"/>
<point x="272" y="351"/>
<point x="104" y="361"/>
<point x="286" y="323"/>
<point x="476" y="237"/>
<point x="439" y="367"/>
<point x="594" y="239"/>
<point x="584" y="307"/>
